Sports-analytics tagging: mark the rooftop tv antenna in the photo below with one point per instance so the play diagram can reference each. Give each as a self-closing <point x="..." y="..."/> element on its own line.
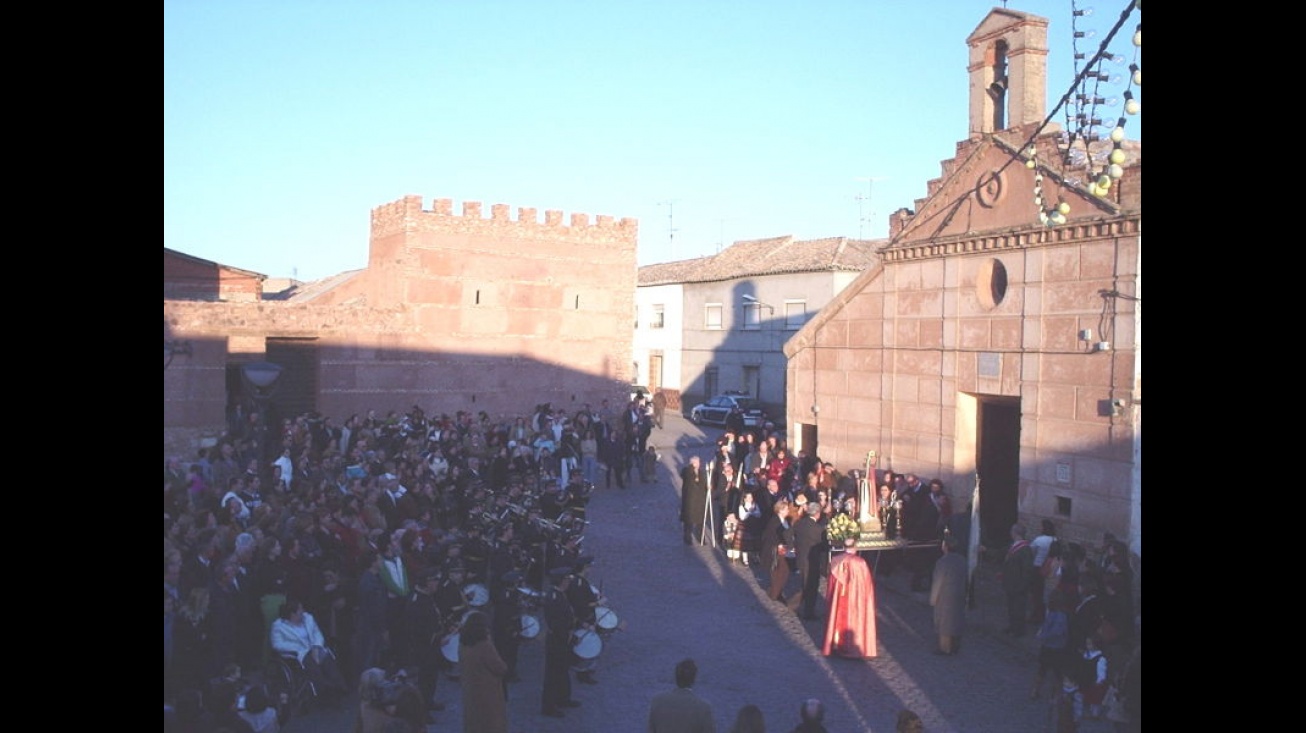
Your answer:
<point x="721" y="234"/>
<point x="671" y="226"/>
<point x="866" y="205"/>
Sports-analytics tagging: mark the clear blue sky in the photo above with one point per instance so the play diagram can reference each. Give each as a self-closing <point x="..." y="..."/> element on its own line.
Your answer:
<point x="287" y="121"/>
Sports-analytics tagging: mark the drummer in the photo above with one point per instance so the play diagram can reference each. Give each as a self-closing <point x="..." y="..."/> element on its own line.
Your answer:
<point x="426" y="630"/>
<point x="557" y="646"/>
<point x="584" y="600"/>
<point x="506" y="626"/>
<point x="449" y="595"/>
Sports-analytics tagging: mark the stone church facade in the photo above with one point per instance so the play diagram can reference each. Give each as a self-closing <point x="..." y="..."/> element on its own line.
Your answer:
<point x="985" y="341"/>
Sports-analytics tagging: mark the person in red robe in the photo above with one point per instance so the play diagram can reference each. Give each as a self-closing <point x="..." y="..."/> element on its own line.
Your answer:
<point x="850" y="596"/>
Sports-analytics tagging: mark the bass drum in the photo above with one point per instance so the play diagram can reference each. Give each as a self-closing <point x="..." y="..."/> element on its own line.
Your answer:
<point x="449" y="647"/>
<point x="605" y="619"/>
<point x="476" y="594"/>
<point x="530" y="627"/>
<point x="586" y="644"/>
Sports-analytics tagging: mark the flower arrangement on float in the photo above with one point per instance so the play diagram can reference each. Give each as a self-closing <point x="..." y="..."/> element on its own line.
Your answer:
<point x="841" y="527"/>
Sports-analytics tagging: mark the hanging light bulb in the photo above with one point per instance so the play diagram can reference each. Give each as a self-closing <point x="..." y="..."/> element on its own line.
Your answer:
<point x="1136" y="74"/>
<point x="1031" y="163"/>
<point x="1083" y="12"/>
<point x="1118" y="134"/>
<point x="1087" y="100"/>
<point x="1104" y="181"/>
<point x="1063" y="207"/>
<point x="1056" y="217"/>
<point x="1118" y="155"/>
<point x="1138" y="36"/>
<point x="1132" y="107"/>
<point x="1090" y="33"/>
<point x="1115" y="171"/>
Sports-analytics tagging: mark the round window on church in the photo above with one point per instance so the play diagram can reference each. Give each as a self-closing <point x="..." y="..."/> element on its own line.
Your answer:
<point x="991" y="284"/>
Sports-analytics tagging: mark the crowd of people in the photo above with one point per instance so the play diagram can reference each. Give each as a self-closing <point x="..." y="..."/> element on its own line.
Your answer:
<point x="396" y="550"/>
<point x="784" y="514"/>
<point x="1086" y="620"/>
<point x="392" y="550"/>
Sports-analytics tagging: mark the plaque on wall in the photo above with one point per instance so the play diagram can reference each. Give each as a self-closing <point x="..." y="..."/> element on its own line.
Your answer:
<point x="990" y="364"/>
<point x="1063" y="472"/>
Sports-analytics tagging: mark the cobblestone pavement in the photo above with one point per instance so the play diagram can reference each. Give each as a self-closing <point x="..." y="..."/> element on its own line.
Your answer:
<point x="678" y="601"/>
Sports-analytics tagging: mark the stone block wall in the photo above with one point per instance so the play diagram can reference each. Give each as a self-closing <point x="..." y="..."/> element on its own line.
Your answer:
<point x="452" y="313"/>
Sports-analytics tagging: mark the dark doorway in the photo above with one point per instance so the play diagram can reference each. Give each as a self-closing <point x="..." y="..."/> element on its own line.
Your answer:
<point x="296" y="389"/>
<point x="998" y="464"/>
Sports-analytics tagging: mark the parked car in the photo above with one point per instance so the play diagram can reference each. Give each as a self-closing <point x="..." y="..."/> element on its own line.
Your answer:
<point x="715" y="410"/>
<point x="640" y="392"/>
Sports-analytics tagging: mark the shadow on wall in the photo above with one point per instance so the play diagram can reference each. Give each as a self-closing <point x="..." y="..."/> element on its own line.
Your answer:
<point x="208" y="391"/>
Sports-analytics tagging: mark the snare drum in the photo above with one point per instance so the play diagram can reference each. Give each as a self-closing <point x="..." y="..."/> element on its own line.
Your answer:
<point x="586" y="644"/>
<point x="605" y="619"/>
<point x="476" y="594"/>
<point x="449" y="647"/>
<point x="530" y="627"/>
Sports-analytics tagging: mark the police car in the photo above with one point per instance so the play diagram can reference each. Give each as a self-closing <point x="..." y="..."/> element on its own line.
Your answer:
<point x="715" y="410"/>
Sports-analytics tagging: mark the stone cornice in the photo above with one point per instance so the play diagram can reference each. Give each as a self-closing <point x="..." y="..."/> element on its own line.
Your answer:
<point x="1015" y="239"/>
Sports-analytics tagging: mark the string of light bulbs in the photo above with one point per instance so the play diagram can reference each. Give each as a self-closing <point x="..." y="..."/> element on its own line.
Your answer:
<point x="1081" y="145"/>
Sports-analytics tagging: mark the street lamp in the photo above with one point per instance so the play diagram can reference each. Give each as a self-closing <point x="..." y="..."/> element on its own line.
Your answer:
<point x="261" y="382"/>
<point x="754" y="301"/>
<point x="173" y="348"/>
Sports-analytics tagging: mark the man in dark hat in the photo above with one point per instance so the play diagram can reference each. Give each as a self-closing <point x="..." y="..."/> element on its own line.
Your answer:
<point x="557" y="646"/>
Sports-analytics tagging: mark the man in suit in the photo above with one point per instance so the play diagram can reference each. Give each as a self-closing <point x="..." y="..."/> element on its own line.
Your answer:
<point x="809" y="541"/>
<point x="680" y="710"/>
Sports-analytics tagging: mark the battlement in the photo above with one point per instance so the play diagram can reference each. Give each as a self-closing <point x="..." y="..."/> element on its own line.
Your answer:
<point x="407" y="215"/>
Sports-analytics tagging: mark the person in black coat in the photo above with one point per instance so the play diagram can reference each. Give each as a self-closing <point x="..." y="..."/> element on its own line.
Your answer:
<point x="809" y="541"/>
<point x="561" y="620"/>
<point x="693" y="499"/>
<point x="777" y="537"/>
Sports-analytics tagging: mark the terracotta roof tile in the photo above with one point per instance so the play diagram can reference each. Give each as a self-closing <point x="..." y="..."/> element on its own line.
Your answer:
<point x="773" y="256"/>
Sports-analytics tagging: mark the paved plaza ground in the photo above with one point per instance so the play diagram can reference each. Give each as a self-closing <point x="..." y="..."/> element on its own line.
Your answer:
<point x="678" y="601"/>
